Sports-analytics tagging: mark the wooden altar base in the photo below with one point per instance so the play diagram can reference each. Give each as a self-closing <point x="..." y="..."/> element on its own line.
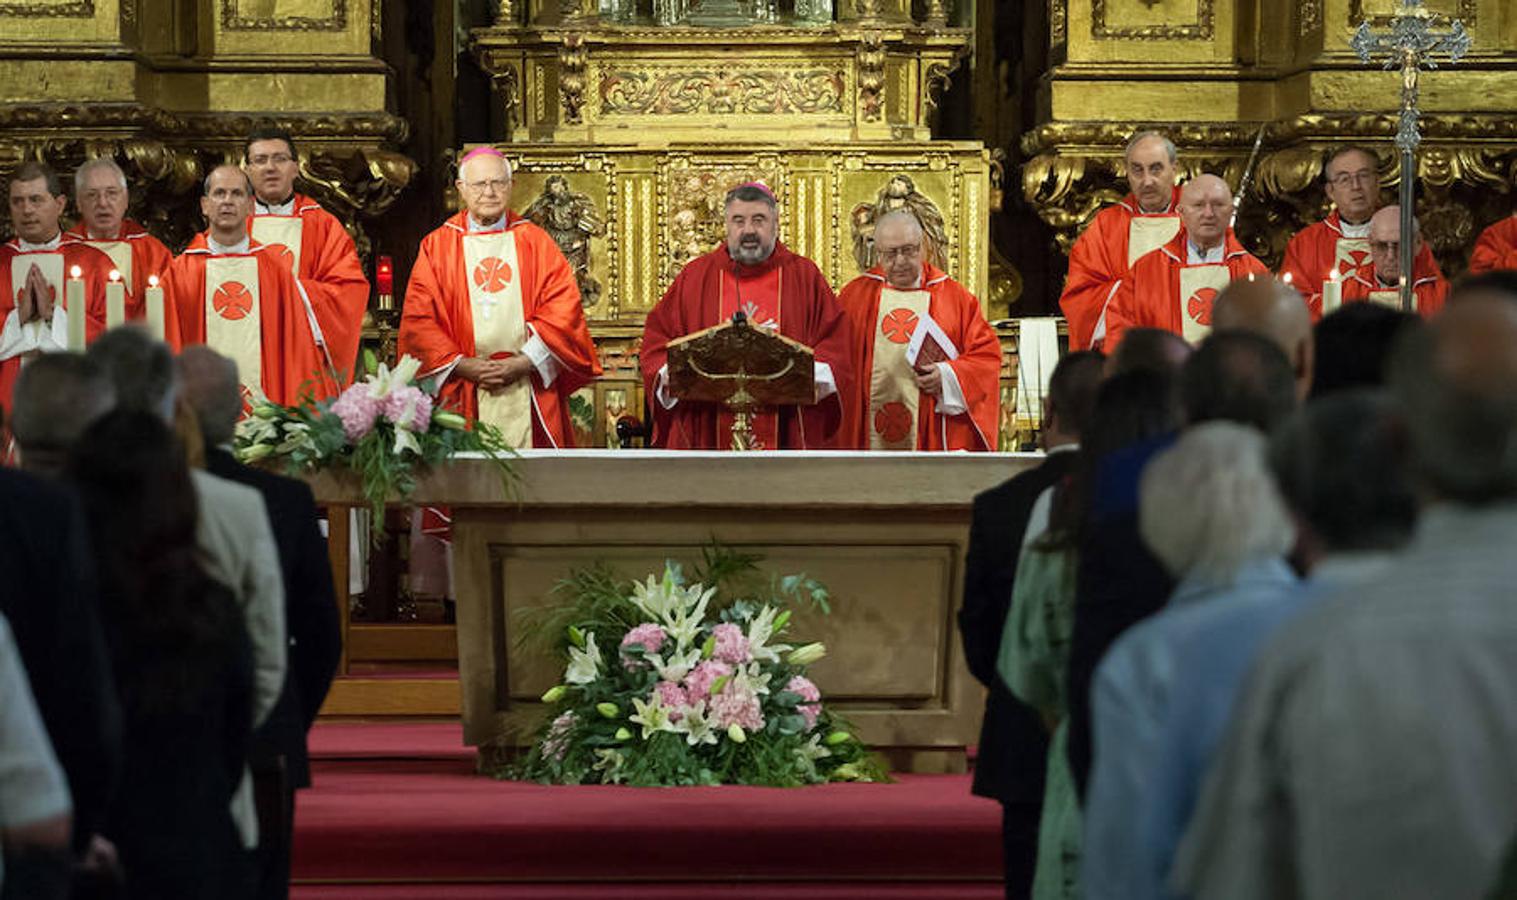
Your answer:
<point x="887" y="532"/>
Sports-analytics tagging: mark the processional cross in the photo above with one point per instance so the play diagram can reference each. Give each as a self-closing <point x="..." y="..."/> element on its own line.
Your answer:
<point x="1411" y="45"/>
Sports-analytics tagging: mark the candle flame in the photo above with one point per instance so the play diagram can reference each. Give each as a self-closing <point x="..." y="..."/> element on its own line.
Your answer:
<point x="152" y="281"/>
<point x="1250" y="276"/>
<point x="1333" y="275"/>
<point x="115" y="275"/>
<point x="75" y="272"/>
<point x="1286" y="278"/>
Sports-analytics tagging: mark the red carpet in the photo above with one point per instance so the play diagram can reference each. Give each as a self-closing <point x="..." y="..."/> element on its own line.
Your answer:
<point x="396" y="812"/>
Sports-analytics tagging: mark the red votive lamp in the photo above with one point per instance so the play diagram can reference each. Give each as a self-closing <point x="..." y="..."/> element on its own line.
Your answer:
<point x="384" y="282"/>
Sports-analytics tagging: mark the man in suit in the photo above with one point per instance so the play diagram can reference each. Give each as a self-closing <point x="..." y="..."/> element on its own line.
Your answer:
<point x="279" y="759"/>
<point x="1013" y="749"/>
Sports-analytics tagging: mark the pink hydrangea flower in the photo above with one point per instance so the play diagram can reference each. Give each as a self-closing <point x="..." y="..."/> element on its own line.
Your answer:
<point x="648" y="636"/>
<point x="698" y="682"/>
<point x="399" y="400"/>
<point x="801" y="686"/>
<point x="737" y="704"/>
<point x="731" y="645"/>
<point x="673" y="698"/>
<point x="357" y="410"/>
<point x="556" y="740"/>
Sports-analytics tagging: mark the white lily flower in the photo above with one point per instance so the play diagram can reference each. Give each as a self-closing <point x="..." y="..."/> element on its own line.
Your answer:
<point x="651" y="715"/>
<point x="694" y="725"/>
<point x="256" y="430"/>
<point x="584" y="665"/>
<point x="678" y="665"/>
<point x="297" y="436"/>
<point x="680" y="610"/>
<point x="405" y="371"/>
<point x="406" y="440"/>
<point x="611" y="762"/>
<point x="760" y="629"/>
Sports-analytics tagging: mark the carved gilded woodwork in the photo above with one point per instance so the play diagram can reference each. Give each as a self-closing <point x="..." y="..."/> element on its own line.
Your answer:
<point x="1149" y="21"/>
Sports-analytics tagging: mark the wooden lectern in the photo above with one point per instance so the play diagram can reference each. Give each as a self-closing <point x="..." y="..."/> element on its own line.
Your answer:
<point x="744" y="368"/>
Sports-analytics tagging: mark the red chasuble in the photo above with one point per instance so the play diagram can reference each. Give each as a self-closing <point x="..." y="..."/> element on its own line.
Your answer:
<point x="1320" y="249"/>
<point x="137" y="255"/>
<point x="95" y="267"/>
<point x="873" y="416"/>
<point x="321" y="254"/>
<point x="1496" y="248"/>
<point x="449" y="286"/>
<point x="705" y="293"/>
<point x="1164" y="291"/>
<point x="1429" y="289"/>
<point x="247" y="306"/>
<point x="1103" y="255"/>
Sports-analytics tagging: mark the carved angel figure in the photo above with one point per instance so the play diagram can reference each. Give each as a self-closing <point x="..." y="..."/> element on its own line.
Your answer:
<point x="570" y="218"/>
<point x="900" y="192"/>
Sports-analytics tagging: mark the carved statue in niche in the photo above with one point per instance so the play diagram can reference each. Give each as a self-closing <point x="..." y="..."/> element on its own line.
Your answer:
<point x="900" y="192"/>
<point x="571" y="220"/>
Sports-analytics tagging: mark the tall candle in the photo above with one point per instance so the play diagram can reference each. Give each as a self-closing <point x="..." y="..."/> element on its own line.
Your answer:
<point x="73" y="299"/>
<point x="115" y="301"/>
<point x="1332" y="292"/>
<point x="154" y="298"/>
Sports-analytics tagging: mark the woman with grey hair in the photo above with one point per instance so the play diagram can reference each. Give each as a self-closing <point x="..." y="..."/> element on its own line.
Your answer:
<point x="1210" y="511"/>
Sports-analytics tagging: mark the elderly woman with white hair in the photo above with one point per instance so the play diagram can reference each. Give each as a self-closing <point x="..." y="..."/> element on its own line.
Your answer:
<point x="1210" y="511"/>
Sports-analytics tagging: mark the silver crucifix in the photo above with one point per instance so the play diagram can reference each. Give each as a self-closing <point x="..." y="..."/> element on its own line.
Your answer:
<point x="1411" y="45"/>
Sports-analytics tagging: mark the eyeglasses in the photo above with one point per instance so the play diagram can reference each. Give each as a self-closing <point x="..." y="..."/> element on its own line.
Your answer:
<point x="277" y="159"/>
<point x="497" y="185"/>
<point x="1349" y="179"/>
<point x="908" y="253"/>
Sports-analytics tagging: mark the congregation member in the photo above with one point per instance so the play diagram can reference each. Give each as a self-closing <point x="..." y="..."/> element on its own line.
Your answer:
<point x="1341" y="469"/>
<point x="1103" y="255"/>
<point x="311" y="241"/>
<point x="35" y="862"/>
<point x="1013" y="746"/>
<point x="941" y="397"/>
<point x="33" y="268"/>
<point x="757" y="275"/>
<point x="1210" y="512"/>
<point x="1151" y="349"/>
<point x="279" y="758"/>
<point x="1370" y="751"/>
<point x="101" y="195"/>
<point x="1353" y="346"/>
<point x="1275" y="311"/>
<point x="232" y="293"/>
<point x="1033" y="660"/>
<point x="494" y="314"/>
<point x="1174" y="286"/>
<point x="232" y="532"/>
<point x="182" y="659"/>
<point x="1380" y="282"/>
<point x="1496" y="248"/>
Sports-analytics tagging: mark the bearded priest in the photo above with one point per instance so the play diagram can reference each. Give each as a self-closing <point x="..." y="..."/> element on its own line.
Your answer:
<point x="234" y="295"/>
<point x="776" y="289"/>
<point x="493" y="312"/>
<point x="100" y="193"/>
<point x="909" y="396"/>
<point x="1118" y="235"/>
<point x="1173" y="287"/>
<point x="311" y="241"/>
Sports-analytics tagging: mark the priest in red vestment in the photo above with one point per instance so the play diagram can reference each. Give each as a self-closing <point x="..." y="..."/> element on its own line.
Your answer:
<point x="1340" y="243"/>
<point x="1118" y="236"/>
<point x="1380" y="282"/>
<point x="906" y="395"/>
<point x="100" y="192"/>
<point x="33" y="268"/>
<point x="1173" y="287"/>
<point x="232" y="294"/>
<point x="1496" y="247"/>
<point x="776" y="289"/>
<point x="311" y="241"/>
<point x="493" y="311"/>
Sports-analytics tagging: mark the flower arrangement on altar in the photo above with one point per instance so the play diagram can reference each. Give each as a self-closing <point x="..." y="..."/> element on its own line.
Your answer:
<point x="386" y="429"/>
<point x="676" y="681"/>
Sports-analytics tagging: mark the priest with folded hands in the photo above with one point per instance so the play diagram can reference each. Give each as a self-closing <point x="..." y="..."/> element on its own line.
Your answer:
<point x="928" y="364"/>
<point x="752" y="273"/>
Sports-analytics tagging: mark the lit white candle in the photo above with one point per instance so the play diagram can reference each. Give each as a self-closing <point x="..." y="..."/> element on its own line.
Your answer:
<point x="1332" y="292"/>
<point x="1287" y="278"/>
<point x="73" y="300"/>
<point x="154" y="299"/>
<point x="115" y="301"/>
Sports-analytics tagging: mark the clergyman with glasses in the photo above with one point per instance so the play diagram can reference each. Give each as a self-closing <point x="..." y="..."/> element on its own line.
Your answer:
<point x="1381" y="281"/>
<point x="493" y="312"/>
<point x="1340" y="243"/>
<point x="927" y="364"/>
<point x="101" y="196"/>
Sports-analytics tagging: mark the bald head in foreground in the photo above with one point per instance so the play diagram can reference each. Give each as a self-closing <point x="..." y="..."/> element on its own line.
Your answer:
<point x="1275" y="311"/>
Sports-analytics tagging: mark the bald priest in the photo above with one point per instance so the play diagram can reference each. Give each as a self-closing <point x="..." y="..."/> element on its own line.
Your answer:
<point x="493" y="312"/>
<point x="928" y="364"/>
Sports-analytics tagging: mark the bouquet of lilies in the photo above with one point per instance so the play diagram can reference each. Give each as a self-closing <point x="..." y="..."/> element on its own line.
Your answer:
<point x="676" y="681"/>
<point x="386" y="427"/>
